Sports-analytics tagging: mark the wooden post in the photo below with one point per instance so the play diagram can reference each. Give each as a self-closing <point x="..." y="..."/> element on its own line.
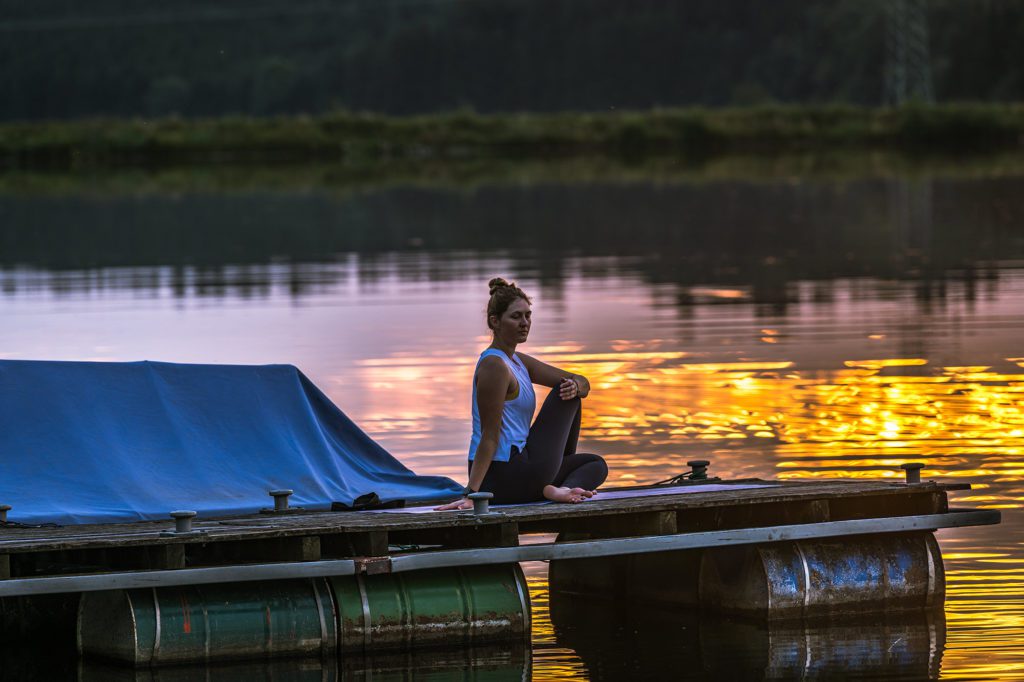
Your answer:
<point x="309" y="548"/>
<point x="371" y="543"/>
<point x="165" y="556"/>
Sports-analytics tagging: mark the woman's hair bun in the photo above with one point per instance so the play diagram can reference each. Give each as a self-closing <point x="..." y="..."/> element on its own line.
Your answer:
<point x="503" y="294"/>
<point x="498" y="283"/>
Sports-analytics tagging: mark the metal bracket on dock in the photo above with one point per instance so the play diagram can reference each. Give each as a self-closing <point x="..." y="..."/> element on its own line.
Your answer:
<point x="913" y="470"/>
<point x="182" y="524"/>
<point x="698" y="469"/>
<point x="281" y="503"/>
<point x="481" y="504"/>
<point x="372" y="565"/>
<point x="697" y="475"/>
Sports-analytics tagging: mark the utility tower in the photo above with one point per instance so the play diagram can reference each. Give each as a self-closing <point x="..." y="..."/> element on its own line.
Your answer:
<point x="908" y="70"/>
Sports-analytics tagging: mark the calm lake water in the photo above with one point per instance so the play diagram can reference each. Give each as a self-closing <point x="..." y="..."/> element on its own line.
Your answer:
<point x="783" y="327"/>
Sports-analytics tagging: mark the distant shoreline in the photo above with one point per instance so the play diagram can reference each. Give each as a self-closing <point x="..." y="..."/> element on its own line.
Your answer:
<point x="370" y="140"/>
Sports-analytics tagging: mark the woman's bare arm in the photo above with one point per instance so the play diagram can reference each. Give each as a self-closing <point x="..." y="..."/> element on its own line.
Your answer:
<point x="492" y="380"/>
<point x="551" y="376"/>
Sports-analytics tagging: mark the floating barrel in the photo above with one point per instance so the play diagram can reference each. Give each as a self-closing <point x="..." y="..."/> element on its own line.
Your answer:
<point x="449" y="606"/>
<point x="204" y="623"/>
<point x="825" y="576"/>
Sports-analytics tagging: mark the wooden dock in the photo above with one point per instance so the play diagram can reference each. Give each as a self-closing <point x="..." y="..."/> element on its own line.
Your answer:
<point x="382" y="541"/>
<point x="320" y="583"/>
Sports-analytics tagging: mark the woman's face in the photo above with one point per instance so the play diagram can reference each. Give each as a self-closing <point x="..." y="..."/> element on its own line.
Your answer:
<point x="514" y="325"/>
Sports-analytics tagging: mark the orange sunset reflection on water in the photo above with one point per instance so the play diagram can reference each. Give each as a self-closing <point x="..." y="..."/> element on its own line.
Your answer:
<point x="851" y="379"/>
<point x="653" y="407"/>
<point x="861" y="421"/>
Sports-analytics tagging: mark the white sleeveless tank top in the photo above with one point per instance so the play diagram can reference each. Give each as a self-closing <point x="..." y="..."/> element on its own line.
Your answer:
<point x="516" y="414"/>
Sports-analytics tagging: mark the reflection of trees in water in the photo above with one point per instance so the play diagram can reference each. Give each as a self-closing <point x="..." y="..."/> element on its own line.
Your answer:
<point x="721" y="242"/>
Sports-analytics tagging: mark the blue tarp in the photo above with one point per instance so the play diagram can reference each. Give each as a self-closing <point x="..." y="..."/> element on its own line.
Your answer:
<point x="90" y="442"/>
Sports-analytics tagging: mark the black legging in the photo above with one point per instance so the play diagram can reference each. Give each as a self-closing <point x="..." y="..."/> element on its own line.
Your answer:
<point x="549" y="458"/>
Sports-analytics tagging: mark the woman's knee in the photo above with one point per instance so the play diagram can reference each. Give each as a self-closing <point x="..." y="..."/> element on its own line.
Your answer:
<point x="586" y="470"/>
<point x="596" y="469"/>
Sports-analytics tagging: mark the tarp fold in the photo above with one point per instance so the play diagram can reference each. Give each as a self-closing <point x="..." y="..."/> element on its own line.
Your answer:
<point x="95" y="442"/>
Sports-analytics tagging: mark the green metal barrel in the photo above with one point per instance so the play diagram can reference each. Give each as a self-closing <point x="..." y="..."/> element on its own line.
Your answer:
<point x="205" y="623"/>
<point x="808" y="578"/>
<point x="450" y="606"/>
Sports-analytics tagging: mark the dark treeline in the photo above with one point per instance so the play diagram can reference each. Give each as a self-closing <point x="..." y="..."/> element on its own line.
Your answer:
<point x="64" y="59"/>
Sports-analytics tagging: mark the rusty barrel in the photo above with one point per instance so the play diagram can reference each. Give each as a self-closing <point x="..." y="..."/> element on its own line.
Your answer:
<point x="206" y="623"/>
<point x="821" y="577"/>
<point x="450" y="606"/>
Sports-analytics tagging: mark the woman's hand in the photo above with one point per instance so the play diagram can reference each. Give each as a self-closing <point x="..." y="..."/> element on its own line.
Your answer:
<point x="548" y="375"/>
<point x="568" y="389"/>
<point x="463" y="503"/>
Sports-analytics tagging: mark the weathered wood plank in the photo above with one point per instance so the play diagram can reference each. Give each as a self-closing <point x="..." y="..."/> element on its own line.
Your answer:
<point x="300" y="548"/>
<point x="5" y="566"/>
<point x="97" y="559"/>
<point x="906" y="503"/>
<point x="753" y="515"/>
<point x="348" y="545"/>
<point x="142" y="557"/>
<point x="609" y="526"/>
<point x="840" y="494"/>
<point x="481" y="535"/>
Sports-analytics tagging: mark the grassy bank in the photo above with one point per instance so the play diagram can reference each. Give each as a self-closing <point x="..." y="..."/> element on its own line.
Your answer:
<point x="366" y="140"/>
<point x="343" y="178"/>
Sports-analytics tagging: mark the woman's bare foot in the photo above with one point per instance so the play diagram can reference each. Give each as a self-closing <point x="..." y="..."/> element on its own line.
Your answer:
<point x="570" y="495"/>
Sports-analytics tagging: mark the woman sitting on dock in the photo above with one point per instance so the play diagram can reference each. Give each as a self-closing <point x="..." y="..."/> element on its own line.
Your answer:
<point x="508" y="457"/>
